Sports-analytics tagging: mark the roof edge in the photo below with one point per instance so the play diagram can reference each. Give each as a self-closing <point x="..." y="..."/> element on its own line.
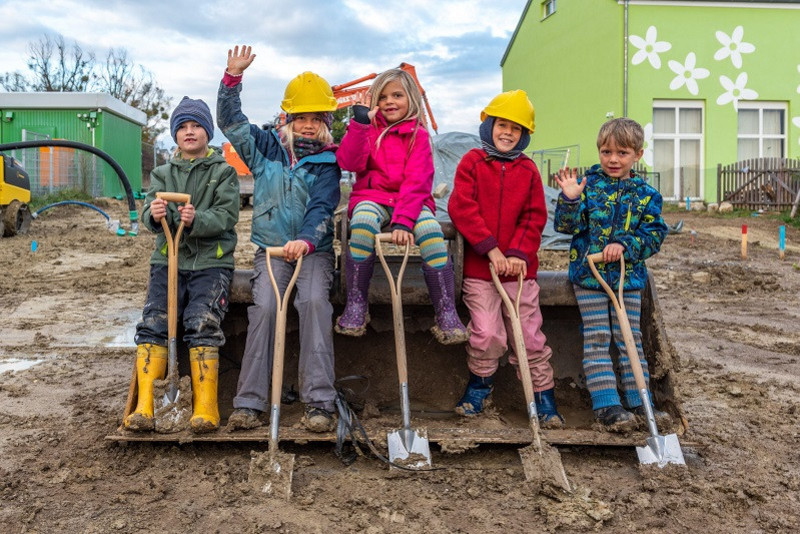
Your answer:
<point x="59" y="100"/>
<point x="516" y="31"/>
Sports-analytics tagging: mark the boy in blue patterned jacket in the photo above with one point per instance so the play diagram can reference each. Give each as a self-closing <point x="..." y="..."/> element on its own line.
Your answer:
<point x="614" y="211"/>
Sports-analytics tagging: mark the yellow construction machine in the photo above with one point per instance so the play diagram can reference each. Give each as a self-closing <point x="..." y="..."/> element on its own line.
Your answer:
<point x="15" y="193"/>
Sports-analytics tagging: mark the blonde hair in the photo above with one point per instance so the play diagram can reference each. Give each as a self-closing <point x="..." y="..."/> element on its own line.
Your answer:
<point x="288" y="136"/>
<point x="624" y="132"/>
<point x="415" y="104"/>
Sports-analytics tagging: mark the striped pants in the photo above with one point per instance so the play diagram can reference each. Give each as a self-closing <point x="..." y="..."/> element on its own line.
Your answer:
<point x="369" y="217"/>
<point x="599" y="321"/>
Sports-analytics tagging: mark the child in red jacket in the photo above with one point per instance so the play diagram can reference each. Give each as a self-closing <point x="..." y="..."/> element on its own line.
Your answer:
<point x="498" y="205"/>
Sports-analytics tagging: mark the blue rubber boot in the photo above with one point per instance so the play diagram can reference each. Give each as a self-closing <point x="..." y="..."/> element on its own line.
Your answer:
<point x="475" y="397"/>
<point x="546" y="408"/>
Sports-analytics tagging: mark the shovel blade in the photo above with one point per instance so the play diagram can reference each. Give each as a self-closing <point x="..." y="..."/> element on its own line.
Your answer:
<point x="661" y="450"/>
<point x="409" y="448"/>
<point x="544" y="467"/>
<point x="271" y="473"/>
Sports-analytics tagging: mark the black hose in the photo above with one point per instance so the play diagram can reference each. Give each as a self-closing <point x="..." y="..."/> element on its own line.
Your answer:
<point x="134" y="216"/>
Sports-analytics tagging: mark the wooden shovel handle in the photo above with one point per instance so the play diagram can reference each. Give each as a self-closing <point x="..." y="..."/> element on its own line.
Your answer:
<point x="622" y="315"/>
<point x="397" y="304"/>
<point x="282" y="301"/>
<point x="180" y="198"/>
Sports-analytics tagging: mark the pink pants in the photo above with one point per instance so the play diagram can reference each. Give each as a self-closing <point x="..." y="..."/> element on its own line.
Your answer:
<point x="490" y="328"/>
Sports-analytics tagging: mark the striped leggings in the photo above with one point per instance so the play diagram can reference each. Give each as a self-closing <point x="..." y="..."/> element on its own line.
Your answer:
<point x="368" y="219"/>
<point x="599" y="321"/>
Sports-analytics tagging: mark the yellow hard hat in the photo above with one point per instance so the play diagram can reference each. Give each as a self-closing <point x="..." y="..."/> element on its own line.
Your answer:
<point x="307" y="93"/>
<point x="514" y="106"/>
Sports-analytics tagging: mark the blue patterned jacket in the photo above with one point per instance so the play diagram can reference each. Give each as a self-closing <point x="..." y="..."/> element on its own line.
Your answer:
<point x="289" y="202"/>
<point x="611" y="210"/>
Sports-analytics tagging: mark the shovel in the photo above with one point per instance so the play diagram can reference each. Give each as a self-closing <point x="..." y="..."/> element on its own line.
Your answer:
<point x="407" y="447"/>
<point x="661" y="450"/>
<point x="280" y="465"/>
<point x="169" y="415"/>
<point x="541" y="462"/>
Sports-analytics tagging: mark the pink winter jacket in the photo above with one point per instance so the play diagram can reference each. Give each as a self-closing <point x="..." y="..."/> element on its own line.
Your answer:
<point x="391" y="175"/>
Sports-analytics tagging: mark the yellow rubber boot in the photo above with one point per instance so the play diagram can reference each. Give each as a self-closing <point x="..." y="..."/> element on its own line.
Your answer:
<point x="151" y="365"/>
<point x="204" y="362"/>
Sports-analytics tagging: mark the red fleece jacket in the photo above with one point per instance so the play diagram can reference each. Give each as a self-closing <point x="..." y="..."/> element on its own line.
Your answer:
<point x="498" y="203"/>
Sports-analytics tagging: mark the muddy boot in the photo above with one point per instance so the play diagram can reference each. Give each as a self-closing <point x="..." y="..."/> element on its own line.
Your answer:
<point x="476" y="396"/>
<point x="546" y="408"/>
<point x="616" y="418"/>
<point x="663" y="419"/>
<point x="353" y="321"/>
<point x="151" y="364"/>
<point x="449" y="330"/>
<point x="244" y="419"/>
<point x="204" y="363"/>
<point x="318" y="419"/>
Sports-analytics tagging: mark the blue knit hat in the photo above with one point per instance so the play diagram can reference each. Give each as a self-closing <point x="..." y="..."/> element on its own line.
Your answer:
<point x="191" y="110"/>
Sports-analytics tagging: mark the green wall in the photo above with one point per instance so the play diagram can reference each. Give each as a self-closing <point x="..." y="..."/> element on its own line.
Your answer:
<point x="570" y="65"/>
<point x="573" y="66"/>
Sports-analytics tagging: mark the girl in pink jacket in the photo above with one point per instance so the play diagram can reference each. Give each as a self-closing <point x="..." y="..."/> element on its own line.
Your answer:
<point x="389" y="149"/>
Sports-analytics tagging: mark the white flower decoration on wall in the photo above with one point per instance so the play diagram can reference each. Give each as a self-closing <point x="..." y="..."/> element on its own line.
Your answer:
<point x="735" y="91"/>
<point x="687" y="74"/>
<point x="733" y="47"/>
<point x="649" y="48"/>
<point x="796" y="122"/>
<point x="648" y="144"/>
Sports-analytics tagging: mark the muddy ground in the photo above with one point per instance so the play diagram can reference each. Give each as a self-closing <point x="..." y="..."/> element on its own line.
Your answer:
<point x="65" y="358"/>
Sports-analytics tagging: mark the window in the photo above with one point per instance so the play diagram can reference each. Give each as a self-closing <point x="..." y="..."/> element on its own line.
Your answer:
<point x="762" y="130"/>
<point x="548" y="8"/>
<point x="678" y="148"/>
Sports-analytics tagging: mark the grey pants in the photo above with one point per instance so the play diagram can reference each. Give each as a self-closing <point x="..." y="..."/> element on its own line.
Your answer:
<point x="316" y="373"/>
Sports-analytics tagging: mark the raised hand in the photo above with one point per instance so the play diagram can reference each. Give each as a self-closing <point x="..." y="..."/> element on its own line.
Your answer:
<point x="567" y="180"/>
<point x="239" y="60"/>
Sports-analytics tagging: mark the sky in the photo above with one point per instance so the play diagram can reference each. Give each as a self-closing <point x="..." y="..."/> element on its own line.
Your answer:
<point x="455" y="45"/>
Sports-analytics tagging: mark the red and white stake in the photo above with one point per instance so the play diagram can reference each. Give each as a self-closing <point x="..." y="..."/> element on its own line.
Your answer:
<point x="744" y="241"/>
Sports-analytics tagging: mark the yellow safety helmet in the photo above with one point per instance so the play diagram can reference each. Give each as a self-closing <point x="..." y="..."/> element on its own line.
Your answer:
<point x="307" y="93"/>
<point x="514" y="106"/>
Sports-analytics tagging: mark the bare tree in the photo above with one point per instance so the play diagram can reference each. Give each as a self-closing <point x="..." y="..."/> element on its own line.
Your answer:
<point x="134" y="85"/>
<point x="55" y="66"/>
<point x="59" y="67"/>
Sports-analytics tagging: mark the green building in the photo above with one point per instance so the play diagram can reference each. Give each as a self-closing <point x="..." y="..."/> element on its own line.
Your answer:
<point x="96" y="119"/>
<point x="712" y="82"/>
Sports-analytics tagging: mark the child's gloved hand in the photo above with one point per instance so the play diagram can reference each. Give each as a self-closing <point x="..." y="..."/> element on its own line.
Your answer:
<point x="567" y="180"/>
<point x="294" y="249"/>
<point x="238" y="61"/>
<point x="158" y="210"/>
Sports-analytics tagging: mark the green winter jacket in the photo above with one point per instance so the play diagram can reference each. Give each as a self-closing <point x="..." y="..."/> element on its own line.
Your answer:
<point x="214" y="188"/>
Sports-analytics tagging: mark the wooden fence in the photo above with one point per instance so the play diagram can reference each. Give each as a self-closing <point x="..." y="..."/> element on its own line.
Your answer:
<point x="762" y="183"/>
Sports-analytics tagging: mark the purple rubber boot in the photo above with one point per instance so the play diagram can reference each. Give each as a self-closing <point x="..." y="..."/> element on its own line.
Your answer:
<point x="353" y="320"/>
<point x="449" y="330"/>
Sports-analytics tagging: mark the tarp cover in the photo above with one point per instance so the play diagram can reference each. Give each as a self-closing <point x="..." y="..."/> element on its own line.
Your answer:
<point x="448" y="148"/>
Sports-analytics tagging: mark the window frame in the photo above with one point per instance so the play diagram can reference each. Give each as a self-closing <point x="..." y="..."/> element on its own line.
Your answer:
<point x="676" y="137"/>
<point x="761" y="106"/>
<point x="549" y="8"/>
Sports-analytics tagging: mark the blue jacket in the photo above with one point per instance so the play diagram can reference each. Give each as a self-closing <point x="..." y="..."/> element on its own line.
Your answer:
<point x="288" y="202"/>
<point x="611" y="210"/>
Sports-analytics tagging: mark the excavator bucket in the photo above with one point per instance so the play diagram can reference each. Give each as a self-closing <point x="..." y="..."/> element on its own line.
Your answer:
<point x="437" y="374"/>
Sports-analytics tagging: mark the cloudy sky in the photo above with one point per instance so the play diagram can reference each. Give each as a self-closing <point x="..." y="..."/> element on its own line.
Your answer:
<point x="456" y="45"/>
